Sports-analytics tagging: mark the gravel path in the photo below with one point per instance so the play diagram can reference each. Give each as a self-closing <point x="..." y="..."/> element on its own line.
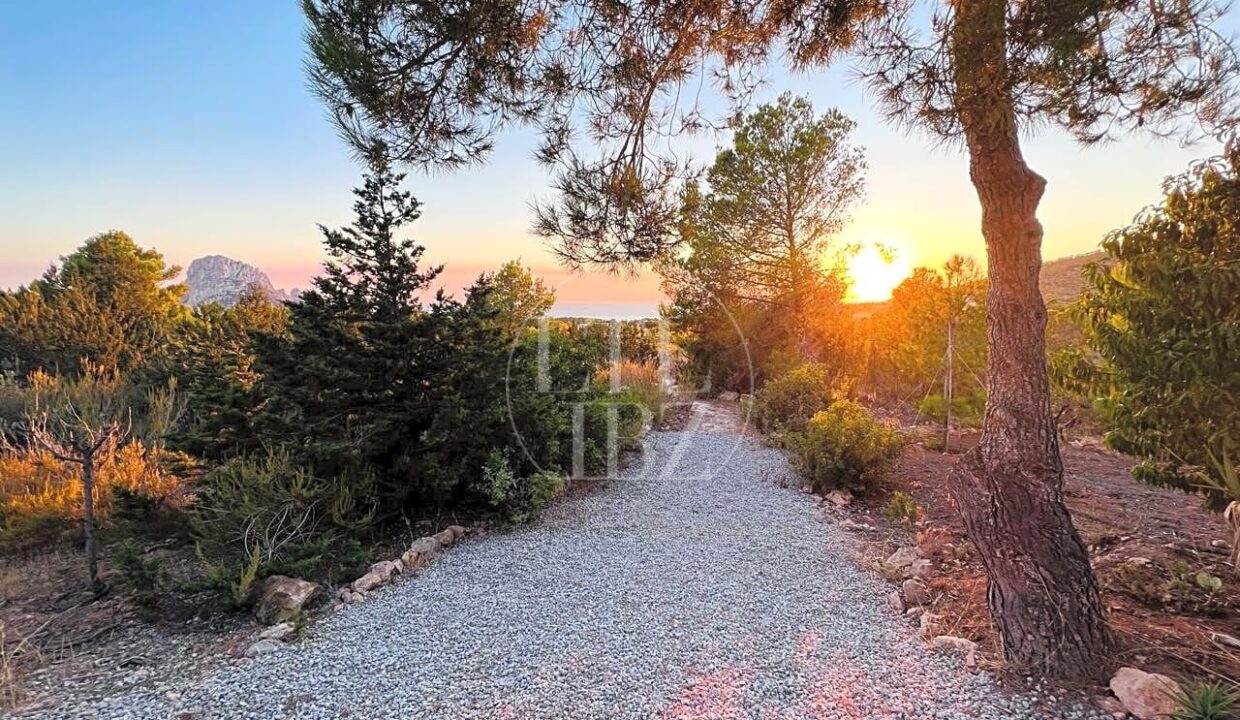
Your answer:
<point x="693" y="588"/>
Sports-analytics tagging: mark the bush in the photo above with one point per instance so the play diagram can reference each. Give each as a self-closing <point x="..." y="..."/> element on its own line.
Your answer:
<point x="138" y="515"/>
<point x="786" y="403"/>
<point x="259" y="515"/>
<point x="844" y="447"/>
<point x="41" y="497"/>
<point x="967" y="408"/>
<point x="1201" y="700"/>
<point x="902" y="508"/>
<point x="139" y="576"/>
<point x="516" y="500"/>
<point x="642" y="384"/>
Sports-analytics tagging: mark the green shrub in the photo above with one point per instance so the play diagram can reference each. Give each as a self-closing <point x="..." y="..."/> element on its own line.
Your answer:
<point x="902" y="507"/>
<point x="516" y="500"/>
<point x="1201" y="700"/>
<point x="142" y="516"/>
<point x="844" y="447"/>
<point x="259" y="515"/>
<point x="786" y="403"/>
<point x="141" y="577"/>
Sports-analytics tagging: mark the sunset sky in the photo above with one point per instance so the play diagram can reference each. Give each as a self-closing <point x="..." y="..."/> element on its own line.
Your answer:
<point x="190" y="127"/>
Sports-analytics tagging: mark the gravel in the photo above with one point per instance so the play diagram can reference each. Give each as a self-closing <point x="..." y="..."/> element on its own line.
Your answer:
<point x="694" y="587"/>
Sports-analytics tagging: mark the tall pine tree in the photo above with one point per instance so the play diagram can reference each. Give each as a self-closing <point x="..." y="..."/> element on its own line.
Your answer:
<point x="343" y="391"/>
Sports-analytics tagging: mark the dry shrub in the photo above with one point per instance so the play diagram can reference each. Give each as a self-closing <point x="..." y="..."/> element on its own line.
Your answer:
<point x="41" y="497"/>
<point x="642" y="383"/>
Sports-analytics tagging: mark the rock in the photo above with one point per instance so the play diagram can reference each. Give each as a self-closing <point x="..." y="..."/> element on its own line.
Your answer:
<point x="920" y="569"/>
<point x="840" y="497"/>
<point x="916" y="592"/>
<point x="426" y="545"/>
<point x="263" y="647"/>
<point x="411" y="561"/>
<point x="420" y="553"/>
<point x="1224" y="639"/>
<point x="459" y="531"/>
<point x="399" y="565"/>
<point x="385" y="569"/>
<point x="368" y="582"/>
<point x="445" y="538"/>
<point x="729" y="396"/>
<point x="1137" y="561"/>
<point x="218" y="279"/>
<point x="1108" y="704"/>
<point x="950" y="643"/>
<point x="282" y="597"/>
<point x="281" y="631"/>
<point x="927" y="624"/>
<point x="902" y="558"/>
<point x="1148" y="696"/>
<point x="350" y="597"/>
<point x="895" y="602"/>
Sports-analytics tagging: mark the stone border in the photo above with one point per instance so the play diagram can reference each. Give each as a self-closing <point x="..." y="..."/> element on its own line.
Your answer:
<point x="418" y="556"/>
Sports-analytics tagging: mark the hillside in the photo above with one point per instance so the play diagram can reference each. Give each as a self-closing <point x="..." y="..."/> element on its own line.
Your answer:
<point x="1061" y="280"/>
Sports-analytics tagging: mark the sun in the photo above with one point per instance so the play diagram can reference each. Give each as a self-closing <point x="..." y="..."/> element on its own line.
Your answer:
<point x="876" y="270"/>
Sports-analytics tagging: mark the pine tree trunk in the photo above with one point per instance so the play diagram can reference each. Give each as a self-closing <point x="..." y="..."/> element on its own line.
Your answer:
<point x="1009" y="489"/>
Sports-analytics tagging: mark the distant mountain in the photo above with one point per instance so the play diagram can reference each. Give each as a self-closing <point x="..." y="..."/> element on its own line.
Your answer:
<point x="1061" y="283"/>
<point x="218" y="279"/>
<point x="1061" y="280"/>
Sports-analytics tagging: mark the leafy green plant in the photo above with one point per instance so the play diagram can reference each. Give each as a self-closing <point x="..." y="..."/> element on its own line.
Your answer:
<point x="844" y="446"/>
<point x="1205" y="700"/>
<point x="786" y="403"/>
<point x="902" y="508"/>
<point x="1163" y="335"/>
<point x="243" y="588"/>
<point x="516" y="500"/>
<point x="1208" y="582"/>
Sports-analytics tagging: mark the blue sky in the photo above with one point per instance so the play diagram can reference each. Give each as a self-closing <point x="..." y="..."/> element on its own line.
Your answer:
<point x="189" y="126"/>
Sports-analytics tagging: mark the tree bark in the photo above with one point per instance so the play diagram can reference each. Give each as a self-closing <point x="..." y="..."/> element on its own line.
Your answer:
<point x="1009" y="489"/>
<point x="88" y="520"/>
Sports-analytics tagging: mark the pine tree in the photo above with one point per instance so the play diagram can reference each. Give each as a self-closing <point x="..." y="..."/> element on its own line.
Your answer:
<point x="346" y="388"/>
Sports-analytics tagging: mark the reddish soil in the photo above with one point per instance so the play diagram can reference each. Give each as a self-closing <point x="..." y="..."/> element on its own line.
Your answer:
<point x="1154" y="552"/>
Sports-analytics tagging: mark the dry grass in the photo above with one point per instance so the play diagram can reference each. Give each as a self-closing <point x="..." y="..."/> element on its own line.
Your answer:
<point x="644" y="381"/>
<point x="41" y="497"/>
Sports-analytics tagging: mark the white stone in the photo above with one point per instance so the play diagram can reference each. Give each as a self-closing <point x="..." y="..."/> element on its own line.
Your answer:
<point x="950" y="643"/>
<point x="263" y="647"/>
<point x="278" y="632"/>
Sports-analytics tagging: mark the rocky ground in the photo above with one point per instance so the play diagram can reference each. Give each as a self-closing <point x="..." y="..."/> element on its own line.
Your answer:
<point x="1148" y="547"/>
<point x="699" y="585"/>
